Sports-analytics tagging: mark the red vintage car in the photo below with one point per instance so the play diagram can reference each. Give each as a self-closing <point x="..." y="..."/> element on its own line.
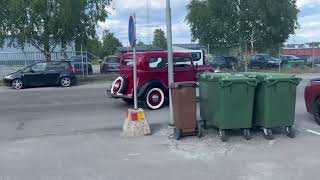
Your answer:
<point x="152" y="77"/>
<point x="312" y="98"/>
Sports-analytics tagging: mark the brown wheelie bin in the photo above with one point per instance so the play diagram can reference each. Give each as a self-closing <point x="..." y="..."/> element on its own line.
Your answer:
<point x="185" y="109"/>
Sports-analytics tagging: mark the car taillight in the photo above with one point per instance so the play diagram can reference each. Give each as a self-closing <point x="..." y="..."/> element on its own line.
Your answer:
<point x="72" y="70"/>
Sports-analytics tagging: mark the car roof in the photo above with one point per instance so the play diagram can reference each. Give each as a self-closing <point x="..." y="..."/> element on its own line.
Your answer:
<point x="152" y="53"/>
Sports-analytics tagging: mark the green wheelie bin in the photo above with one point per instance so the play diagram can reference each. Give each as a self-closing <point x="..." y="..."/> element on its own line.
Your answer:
<point x="275" y="101"/>
<point x="226" y="102"/>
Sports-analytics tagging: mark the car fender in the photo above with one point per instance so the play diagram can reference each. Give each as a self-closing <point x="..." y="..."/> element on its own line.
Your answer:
<point x="154" y="82"/>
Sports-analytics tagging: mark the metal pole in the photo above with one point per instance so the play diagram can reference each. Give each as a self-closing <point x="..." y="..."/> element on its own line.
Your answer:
<point x="170" y="58"/>
<point x="82" y="62"/>
<point x="87" y="63"/>
<point x="135" y="68"/>
<point x="279" y="58"/>
<point x="135" y="78"/>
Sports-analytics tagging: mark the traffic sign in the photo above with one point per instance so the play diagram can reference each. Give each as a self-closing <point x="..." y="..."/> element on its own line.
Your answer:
<point x="132" y="31"/>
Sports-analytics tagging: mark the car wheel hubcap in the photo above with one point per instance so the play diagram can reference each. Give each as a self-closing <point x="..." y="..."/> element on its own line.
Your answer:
<point x="66" y="81"/>
<point x="117" y="86"/>
<point x="155" y="98"/>
<point x="17" y="84"/>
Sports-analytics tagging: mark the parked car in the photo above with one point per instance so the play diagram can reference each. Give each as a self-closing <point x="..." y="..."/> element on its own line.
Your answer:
<point x="152" y="75"/>
<point x="224" y="62"/>
<point x="82" y="65"/>
<point x="303" y="57"/>
<point x="286" y="58"/>
<point x="110" y="64"/>
<point x="42" y="74"/>
<point x="263" y="61"/>
<point x="316" y="60"/>
<point x="312" y="98"/>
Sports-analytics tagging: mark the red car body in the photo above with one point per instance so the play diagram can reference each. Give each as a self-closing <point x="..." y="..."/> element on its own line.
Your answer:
<point x="152" y="76"/>
<point x="311" y="94"/>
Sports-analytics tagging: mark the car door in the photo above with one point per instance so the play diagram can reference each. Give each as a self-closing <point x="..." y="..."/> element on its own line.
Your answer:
<point x="34" y="75"/>
<point x="158" y="69"/>
<point x="52" y="73"/>
<point x="184" y="69"/>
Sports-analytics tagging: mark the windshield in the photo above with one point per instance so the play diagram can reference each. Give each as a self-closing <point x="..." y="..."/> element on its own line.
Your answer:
<point x="113" y="60"/>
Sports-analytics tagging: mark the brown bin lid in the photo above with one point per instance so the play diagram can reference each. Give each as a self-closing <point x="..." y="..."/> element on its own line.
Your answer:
<point x="185" y="84"/>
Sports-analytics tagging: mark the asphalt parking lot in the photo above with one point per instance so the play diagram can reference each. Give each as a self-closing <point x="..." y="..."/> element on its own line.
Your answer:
<point x="75" y="133"/>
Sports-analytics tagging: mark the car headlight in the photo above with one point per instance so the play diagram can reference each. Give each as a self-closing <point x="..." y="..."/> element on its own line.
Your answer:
<point x="8" y="77"/>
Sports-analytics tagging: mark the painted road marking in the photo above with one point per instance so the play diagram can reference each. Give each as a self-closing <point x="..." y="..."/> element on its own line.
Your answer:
<point x="313" y="132"/>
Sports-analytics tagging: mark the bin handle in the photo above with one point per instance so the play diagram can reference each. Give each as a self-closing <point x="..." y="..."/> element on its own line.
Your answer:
<point x="229" y="83"/>
<point x="273" y="82"/>
<point x="252" y="83"/>
<point x="186" y="85"/>
<point x="226" y="83"/>
<point x="295" y="82"/>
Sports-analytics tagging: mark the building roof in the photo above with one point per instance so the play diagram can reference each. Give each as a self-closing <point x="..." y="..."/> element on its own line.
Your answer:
<point x="190" y="46"/>
<point x="138" y="49"/>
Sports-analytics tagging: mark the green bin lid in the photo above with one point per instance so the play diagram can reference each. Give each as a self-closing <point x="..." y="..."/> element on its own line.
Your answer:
<point x="228" y="78"/>
<point x="271" y="77"/>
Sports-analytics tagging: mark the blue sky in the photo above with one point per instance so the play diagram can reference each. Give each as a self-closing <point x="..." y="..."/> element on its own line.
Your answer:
<point x="120" y="10"/>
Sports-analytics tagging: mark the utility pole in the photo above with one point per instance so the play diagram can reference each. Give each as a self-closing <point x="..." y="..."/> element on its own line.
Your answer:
<point x="170" y="58"/>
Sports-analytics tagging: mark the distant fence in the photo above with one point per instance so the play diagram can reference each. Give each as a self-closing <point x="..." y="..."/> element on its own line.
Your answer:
<point x="11" y="61"/>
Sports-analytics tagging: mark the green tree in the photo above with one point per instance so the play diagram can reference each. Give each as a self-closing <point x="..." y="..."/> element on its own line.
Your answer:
<point x="227" y="24"/>
<point x="110" y="43"/>
<point x="48" y="23"/>
<point x="159" y="39"/>
<point x="94" y="46"/>
<point x="141" y="43"/>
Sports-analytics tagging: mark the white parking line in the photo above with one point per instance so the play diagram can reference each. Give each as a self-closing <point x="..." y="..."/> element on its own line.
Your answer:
<point x="313" y="132"/>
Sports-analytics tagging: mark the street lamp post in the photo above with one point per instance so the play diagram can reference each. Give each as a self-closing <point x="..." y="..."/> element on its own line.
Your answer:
<point x="170" y="57"/>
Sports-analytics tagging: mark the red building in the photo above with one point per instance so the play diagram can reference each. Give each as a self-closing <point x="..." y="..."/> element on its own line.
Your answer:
<point x="302" y="51"/>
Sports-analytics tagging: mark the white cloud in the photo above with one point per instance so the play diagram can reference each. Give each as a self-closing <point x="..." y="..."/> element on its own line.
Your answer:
<point x="121" y="9"/>
<point x="301" y="3"/>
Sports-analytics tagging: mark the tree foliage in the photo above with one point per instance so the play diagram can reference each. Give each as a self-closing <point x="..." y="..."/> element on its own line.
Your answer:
<point x="159" y="40"/>
<point x="48" y="23"/>
<point x="110" y="43"/>
<point x="141" y="43"/>
<point x="226" y="24"/>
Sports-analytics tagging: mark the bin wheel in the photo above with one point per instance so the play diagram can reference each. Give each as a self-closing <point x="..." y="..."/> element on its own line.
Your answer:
<point x="290" y="132"/>
<point x="267" y="134"/>
<point x="247" y="134"/>
<point x="177" y="134"/>
<point x="199" y="131"/>
<point x="223" y="135"/>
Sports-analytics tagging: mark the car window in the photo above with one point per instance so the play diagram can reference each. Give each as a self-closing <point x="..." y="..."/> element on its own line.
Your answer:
<point x="127" y="62"/>
<point x="158" y="63"/>
<point x="39" y="67"/>
<point x="112" y="60"/>
<point x="57" y="66"/>
<point x="182" y="62"/>
<point x="196" y="56"/>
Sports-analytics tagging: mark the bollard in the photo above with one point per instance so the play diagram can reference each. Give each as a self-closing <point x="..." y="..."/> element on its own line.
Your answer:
<point x="136" y="124"/>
